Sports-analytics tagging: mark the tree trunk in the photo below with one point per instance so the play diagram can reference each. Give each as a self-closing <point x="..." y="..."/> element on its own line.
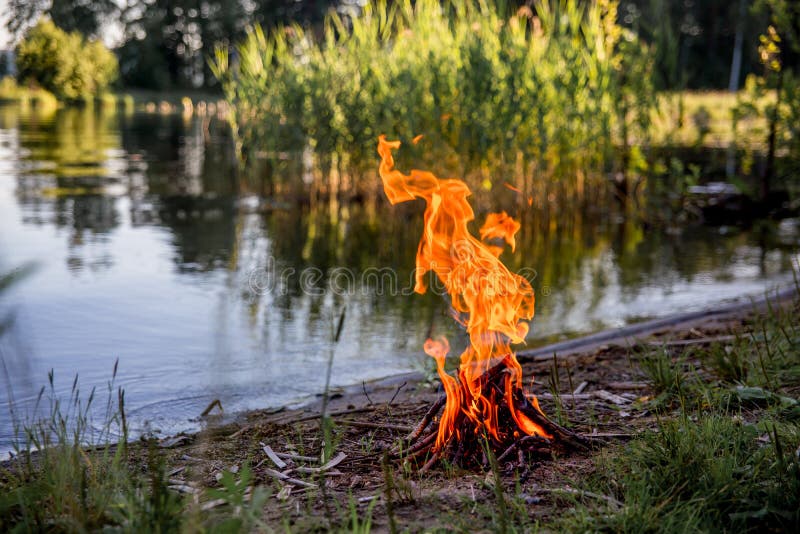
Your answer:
<point x="736" y="61"/>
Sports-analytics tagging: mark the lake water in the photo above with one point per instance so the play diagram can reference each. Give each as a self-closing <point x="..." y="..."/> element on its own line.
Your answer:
<point x="145" y="249"/>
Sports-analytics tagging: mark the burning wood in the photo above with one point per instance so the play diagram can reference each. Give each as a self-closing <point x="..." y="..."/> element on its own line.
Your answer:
<point x="485" y="402"/>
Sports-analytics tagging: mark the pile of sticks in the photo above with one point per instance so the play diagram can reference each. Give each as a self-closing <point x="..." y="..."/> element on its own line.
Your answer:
<point x="470" y="445"/>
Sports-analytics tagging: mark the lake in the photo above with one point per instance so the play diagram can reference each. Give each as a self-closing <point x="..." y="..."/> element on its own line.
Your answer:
<point x="144" y="247"/>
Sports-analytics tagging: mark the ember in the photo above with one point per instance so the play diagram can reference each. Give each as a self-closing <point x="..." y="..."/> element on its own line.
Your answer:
<point x="486" y="400"/>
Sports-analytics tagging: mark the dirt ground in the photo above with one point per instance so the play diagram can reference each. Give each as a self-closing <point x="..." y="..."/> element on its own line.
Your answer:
<point x="600" y="393"/>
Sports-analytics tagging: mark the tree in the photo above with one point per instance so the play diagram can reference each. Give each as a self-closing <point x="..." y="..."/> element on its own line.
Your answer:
<point x="84" y="16"/>
<point x="167" y="42"/>
<point x="64" y="63"/>
<point x="175" y="37"/>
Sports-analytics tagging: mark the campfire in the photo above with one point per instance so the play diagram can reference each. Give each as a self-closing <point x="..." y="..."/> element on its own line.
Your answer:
<point x="485" y="404"/>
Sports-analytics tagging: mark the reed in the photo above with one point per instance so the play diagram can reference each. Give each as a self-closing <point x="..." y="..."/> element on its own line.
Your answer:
<point x="560" y="95"/>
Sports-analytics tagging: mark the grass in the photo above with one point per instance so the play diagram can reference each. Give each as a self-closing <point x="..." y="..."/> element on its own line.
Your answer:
<point x="716" y="473"/>
<point x="724" y="455"/>
<point x="705" y="118"/>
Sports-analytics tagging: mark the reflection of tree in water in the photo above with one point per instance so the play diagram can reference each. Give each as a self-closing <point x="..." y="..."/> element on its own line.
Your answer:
<point x="90" y="218"/>
<point x="203" y="231"/>
<point x="70" y="173"/>
<point x="183" y="156"/>
<point x="190" y="176"/>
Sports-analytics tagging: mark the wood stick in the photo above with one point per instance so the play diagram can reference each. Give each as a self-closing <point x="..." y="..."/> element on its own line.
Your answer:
<point x="426" y="419"/>
<point x="610" y="397"/>
<point x="576" y="396"/>
<point x="212" y="404"/>
<point x="332" y="414"/>
<point x="578" y="390"/>
<point x="430" y="463"/>
<point x="287" y="478"/>
<point x="419" y="446"/>
<point x="274" y="457"/>
<point x="296" y="457"/>
<point x="365" y="424"/>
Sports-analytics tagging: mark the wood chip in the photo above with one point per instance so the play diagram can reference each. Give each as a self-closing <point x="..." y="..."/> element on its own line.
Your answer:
<point x="336" y="460"/>
<point x="296" y="457"/>
<point x="274" y="457"/>
<point x="610" y="397"/>
<point x="580" y="388"/>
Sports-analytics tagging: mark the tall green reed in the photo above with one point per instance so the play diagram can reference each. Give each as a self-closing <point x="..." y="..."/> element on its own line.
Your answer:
<point x="556" y="96"/>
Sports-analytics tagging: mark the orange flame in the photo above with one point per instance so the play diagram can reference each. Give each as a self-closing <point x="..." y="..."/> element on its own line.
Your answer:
<point x="496" y="302"/>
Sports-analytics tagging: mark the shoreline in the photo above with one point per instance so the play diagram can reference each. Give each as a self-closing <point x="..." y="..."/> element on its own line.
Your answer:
<point x="383" y="389"/>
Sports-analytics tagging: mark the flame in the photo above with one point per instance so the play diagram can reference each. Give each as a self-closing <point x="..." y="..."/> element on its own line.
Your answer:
<point x="493" y="303"/>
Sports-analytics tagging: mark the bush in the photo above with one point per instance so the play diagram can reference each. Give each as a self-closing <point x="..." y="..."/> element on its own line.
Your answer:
<point x="65" y="64"/>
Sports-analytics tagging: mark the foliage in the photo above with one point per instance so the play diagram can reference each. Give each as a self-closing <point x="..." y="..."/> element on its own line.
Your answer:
<point x="778" y="45"/>
<point x="83" y="16"/>
<point x="247" y="502"/>
<point x="63" y="63"/>
<point x="693" y="40"/>
<point x="557" y="90"/>
<point x="167" y="41"/>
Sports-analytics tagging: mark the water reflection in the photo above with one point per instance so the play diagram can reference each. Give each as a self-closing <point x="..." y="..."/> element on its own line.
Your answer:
<point x="152" y="249"/>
